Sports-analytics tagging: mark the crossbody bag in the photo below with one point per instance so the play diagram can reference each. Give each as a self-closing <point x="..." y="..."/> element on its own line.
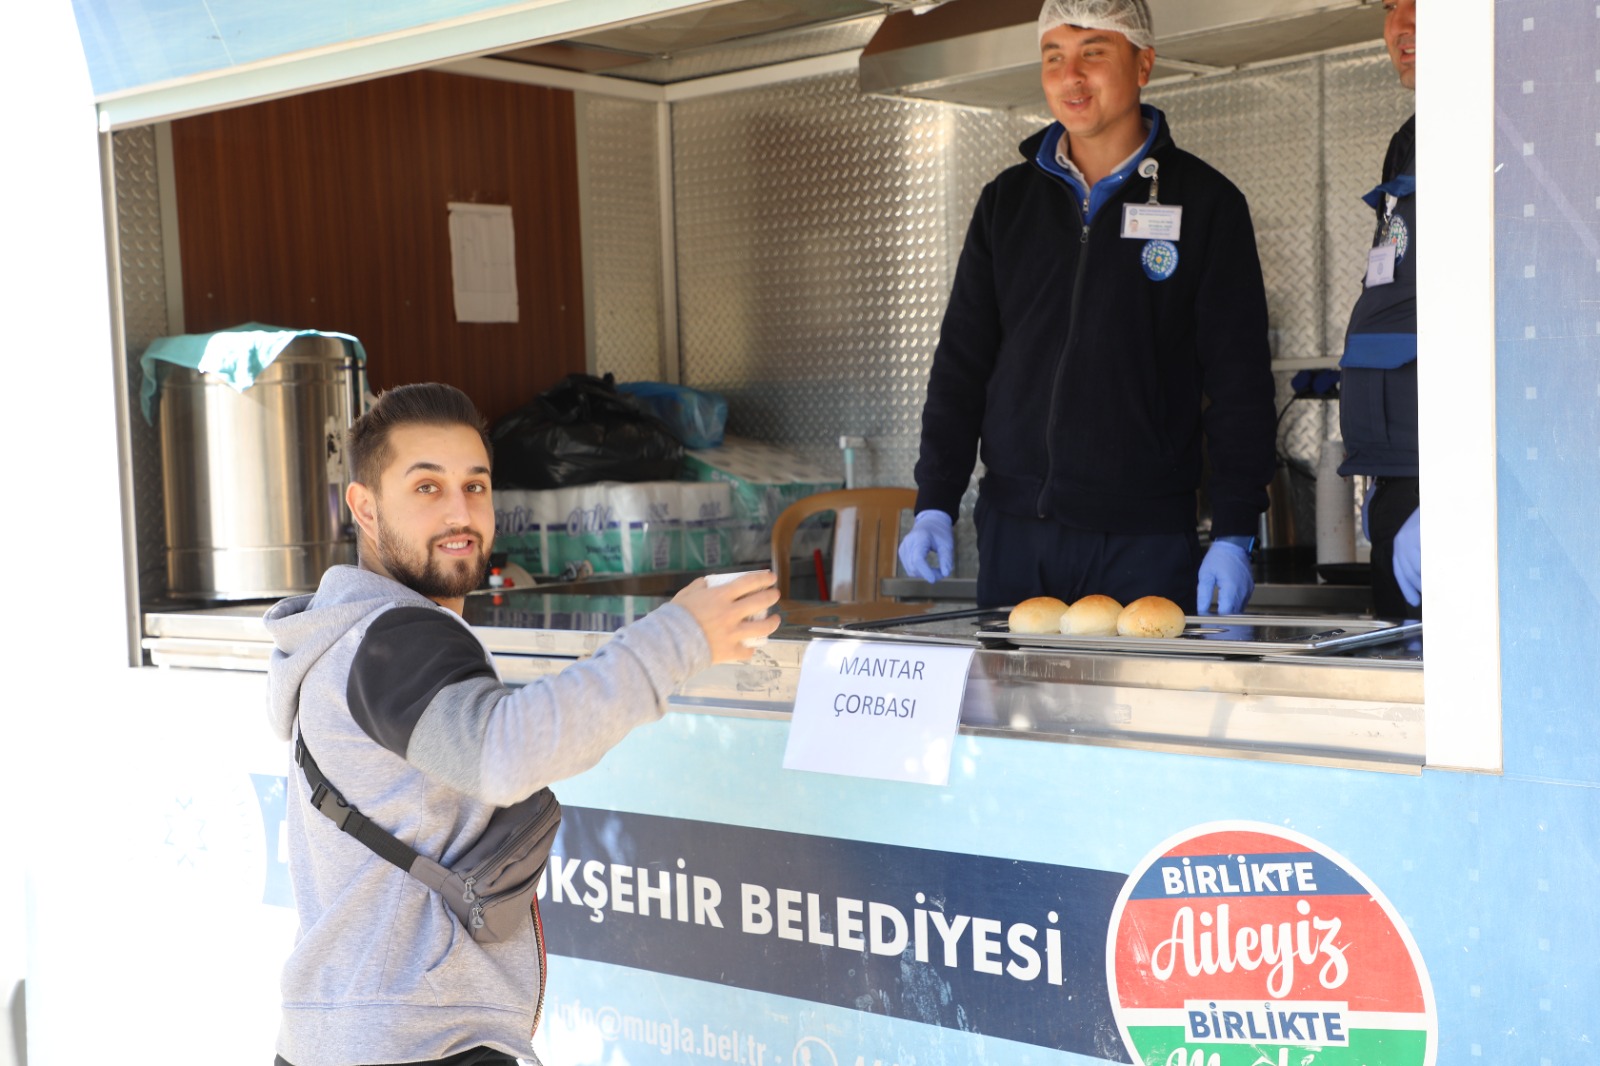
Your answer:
<point x="491" y="887"/>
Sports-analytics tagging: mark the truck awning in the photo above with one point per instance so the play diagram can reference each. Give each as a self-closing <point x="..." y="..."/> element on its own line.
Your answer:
<point x="151" y="60"/>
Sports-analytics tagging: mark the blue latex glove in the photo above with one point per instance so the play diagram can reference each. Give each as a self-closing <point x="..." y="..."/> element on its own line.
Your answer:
<point x="1225" y="571"/>
<point x="930" y="532"/>
<point x="1408" y="558"/>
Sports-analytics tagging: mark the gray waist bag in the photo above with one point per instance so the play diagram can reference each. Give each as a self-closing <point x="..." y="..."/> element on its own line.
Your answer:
<point x="490" y="888"/>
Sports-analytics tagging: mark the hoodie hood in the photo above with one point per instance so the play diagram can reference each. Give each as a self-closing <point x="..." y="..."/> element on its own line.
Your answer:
<point x="303" y="628"/>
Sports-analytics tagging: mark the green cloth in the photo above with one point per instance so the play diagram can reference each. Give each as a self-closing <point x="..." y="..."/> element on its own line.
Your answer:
<point x="238" y="355"/>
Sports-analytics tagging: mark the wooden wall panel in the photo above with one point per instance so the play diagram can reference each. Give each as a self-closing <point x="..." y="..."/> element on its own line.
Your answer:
<point x="327" y="211"/>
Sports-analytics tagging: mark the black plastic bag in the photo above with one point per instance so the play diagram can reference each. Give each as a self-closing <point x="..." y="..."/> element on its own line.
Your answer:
<point x="578" y="432"/>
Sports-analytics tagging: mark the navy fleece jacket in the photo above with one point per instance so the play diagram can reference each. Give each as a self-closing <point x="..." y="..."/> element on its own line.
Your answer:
<point x="1085" y="382"/>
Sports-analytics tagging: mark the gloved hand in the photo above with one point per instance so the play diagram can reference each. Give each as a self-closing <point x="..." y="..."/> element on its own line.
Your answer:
<point x="930" y="532"/>
<point x="1226" y="571"/>
<point x="1408" y="558"/>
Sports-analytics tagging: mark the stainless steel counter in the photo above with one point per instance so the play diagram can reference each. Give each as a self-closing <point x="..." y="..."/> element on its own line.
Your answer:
<point x="1358" y="711"/>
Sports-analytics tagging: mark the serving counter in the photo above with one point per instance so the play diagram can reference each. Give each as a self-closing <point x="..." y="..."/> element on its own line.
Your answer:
<point x="1359" y="710"/>
<point x="706" y="903"/>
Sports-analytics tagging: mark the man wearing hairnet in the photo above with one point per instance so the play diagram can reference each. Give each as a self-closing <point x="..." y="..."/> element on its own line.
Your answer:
<point x="1107" y="320"/>
<point x="1378" y="395"/>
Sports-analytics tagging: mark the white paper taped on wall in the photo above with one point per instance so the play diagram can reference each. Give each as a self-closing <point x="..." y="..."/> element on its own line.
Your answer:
<point x="483" y="262"/>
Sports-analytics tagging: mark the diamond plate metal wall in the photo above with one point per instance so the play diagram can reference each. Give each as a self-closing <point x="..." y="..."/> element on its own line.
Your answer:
<point x="1259" y="128"/>
<point x="622" y="238"/>
<point x="816" y="243"/>
<point x="813" y="256"/>
<point x="144" y="300"/>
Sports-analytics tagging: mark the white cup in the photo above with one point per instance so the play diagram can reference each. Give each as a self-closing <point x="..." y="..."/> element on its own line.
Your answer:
<point x="713" y="580"/>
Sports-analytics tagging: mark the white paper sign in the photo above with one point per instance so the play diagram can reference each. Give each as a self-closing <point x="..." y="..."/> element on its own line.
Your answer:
<point x="874" y="709"/>
<point x="483" y="262"/>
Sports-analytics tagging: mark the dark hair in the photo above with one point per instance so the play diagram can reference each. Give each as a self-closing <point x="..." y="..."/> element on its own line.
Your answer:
<point x="430" y="404"/>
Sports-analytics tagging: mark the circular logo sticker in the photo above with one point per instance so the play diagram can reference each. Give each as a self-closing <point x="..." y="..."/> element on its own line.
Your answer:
<point x="1160" y="260"/>
<point x="1245" y="944"/>
<point x="1397" y="235"/>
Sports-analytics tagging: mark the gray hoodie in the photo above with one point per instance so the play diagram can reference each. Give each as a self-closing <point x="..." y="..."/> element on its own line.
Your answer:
<point x="401" y="706"/>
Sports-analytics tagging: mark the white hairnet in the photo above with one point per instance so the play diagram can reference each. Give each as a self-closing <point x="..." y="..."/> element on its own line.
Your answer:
<point x="1131" y="18"/>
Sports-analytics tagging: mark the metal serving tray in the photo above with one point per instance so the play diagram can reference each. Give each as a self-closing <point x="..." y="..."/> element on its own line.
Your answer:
<point x="1228" y="634"/>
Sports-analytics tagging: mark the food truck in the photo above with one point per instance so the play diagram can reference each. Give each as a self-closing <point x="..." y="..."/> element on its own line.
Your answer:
<point x="1255" y="856"/>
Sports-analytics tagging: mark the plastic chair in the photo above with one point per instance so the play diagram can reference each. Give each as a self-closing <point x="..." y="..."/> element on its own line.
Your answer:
<point x="868" y="518"/>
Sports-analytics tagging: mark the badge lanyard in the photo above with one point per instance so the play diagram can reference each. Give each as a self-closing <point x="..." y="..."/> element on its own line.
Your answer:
<point x="1152" y="170"/>
<point x="1155" y="223"/>
<point x="1381" y="259"/>
<point x="1393" y="238"/>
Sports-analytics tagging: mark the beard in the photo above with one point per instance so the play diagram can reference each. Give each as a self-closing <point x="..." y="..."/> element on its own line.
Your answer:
<point x="429" y="575"/>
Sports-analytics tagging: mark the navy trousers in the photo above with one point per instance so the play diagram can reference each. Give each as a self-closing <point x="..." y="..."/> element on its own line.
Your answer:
<point x="1020" y="556"/>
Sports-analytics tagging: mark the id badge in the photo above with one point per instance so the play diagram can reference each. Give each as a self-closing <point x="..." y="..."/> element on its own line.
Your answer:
<point x="1151" y="222"/>
<point x="1380" y="265"/>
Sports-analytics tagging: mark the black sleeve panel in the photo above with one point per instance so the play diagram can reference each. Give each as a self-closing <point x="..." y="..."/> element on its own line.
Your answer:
<point x="406" y="657"/>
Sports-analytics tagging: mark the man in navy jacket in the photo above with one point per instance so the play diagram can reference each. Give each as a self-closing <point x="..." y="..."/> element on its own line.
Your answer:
<point x="1378" y="405"/>
<point x="1107" y="316"/>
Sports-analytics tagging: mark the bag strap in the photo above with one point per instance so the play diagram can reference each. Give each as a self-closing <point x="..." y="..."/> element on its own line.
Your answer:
<point x="325" y="798"/>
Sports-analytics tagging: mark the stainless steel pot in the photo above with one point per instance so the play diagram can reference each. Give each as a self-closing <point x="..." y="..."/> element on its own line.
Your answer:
<point x="255" y="480"/>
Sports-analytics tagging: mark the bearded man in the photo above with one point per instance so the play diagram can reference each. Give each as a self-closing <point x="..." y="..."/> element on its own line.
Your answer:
<point x="378" y="674"/>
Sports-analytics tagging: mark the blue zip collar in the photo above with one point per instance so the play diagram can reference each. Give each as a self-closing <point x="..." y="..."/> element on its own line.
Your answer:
<point x="1400" y="186"/>
<point x="1111" y="184"/>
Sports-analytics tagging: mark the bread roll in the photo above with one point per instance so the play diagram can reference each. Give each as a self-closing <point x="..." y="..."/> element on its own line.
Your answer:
<point x="1042" y="614"/>
<point x="1092" y="616"/>
<point x="1150" y="616"/>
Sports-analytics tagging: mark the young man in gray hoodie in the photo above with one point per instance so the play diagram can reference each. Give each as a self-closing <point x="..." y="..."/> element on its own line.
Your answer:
<point x="380" y="677"/>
